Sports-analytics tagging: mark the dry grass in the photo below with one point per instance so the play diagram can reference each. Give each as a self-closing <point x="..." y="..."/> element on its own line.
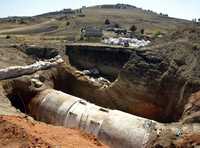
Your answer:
<point x="95" y="16"/>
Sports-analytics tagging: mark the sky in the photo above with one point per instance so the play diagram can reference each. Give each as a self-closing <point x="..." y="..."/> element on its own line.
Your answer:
<point x="186" y="9"/>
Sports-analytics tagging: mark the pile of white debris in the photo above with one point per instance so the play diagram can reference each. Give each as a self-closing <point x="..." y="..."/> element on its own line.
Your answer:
<point x="128" y="42"/>
<point x="95" y="78"/>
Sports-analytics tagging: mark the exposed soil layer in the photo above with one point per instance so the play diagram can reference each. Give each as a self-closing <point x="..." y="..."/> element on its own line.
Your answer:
<point x="39" y="52"/>
<point x="162" y="76"/>
<point x="22" y="132"/>
<point x="108" y="60"/>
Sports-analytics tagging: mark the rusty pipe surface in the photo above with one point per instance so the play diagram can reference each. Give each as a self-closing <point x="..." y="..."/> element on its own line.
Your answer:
<point x="112" y="127"/>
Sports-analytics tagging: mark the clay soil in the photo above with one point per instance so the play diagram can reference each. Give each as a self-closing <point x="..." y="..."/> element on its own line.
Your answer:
<point x="22" y="132"/>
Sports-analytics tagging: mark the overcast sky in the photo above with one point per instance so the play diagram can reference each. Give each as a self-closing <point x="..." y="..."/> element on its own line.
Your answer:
<point x="187" y="9"/>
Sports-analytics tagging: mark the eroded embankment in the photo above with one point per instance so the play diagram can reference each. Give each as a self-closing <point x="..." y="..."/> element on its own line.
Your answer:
<point x="48" y="105"/>
<point x="109" y="61"/>
<point x="152" y="82"/>
<point x="51" y="106"/>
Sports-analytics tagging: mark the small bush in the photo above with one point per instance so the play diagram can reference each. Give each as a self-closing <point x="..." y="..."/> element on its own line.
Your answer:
<point x="133" y="28"/>
<point x="8" y="37"/>
<point x="107" y="22"/>
<point x="67" y="23"/>
<point x="196" y="47"/>
<point x="142" y="31"/>
<point x="81" y="38"/>
<point x="157" y="33"/>
<point x="116" y="25"/>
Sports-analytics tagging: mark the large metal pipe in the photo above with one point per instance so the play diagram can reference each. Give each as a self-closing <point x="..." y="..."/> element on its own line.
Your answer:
<point x="113" y="127"/>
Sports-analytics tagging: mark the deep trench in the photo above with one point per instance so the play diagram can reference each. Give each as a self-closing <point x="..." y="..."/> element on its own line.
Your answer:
<point x="66" y="82"/>
<point x="20" y="97"/>
<point x="107" y="61"/>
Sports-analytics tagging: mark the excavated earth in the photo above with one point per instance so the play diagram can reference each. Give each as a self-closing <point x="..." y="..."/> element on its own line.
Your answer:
<point x="153" y="82"/>
<point x="159" y="82"/>
<point x="17" y="130"/>
<point x="24" y="132"/>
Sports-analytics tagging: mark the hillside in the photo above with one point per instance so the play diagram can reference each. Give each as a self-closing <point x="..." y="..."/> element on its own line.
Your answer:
<point x="68" y="22"/>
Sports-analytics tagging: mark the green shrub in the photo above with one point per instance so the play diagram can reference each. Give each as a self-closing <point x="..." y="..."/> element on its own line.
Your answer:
<point x="157" y="33"/>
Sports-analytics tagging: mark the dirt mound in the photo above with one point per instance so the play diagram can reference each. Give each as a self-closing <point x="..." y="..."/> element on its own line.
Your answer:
<point x="21" y="132"/>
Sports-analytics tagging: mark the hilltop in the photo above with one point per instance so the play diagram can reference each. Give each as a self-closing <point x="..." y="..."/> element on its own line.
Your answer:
<point x="68" y="22"/>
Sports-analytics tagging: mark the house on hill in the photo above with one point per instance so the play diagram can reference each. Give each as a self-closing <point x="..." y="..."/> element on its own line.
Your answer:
<point x="91" y="31"/>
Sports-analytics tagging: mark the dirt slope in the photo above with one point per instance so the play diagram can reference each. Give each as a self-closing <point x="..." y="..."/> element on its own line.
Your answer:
<point x="19" y="132"/>
<point x="43" y="27"/>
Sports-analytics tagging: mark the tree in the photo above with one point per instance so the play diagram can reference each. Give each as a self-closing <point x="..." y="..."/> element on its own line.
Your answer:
<point x="133" y="28"/>
<point x="107" y="22"/>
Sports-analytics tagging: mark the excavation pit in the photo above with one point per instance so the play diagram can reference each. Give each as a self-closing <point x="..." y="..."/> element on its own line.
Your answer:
<point x="48" y="105"/>
<point x="109" y="61"/>
<point x="20" y="91"/>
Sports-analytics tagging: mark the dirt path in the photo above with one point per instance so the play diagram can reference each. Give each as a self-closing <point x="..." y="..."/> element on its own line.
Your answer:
<point x="36" y="28"/>
<point x="22" y="132"/>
